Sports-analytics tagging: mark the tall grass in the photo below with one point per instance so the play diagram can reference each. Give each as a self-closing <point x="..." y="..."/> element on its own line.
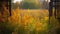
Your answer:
<point x="28" y="22"/>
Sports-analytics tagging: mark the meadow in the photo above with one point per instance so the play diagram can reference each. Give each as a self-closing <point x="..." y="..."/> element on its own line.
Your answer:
<point x="28" y="21"/>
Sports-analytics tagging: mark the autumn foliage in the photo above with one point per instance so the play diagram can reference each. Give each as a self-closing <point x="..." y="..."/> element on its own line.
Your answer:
<point x="29" y="20"/>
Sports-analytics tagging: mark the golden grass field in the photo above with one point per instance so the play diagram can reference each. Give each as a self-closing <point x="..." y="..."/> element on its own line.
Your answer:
<point x="28" y="16"/>
<point x="30" y="20"/>
<point x="34" y="20"/>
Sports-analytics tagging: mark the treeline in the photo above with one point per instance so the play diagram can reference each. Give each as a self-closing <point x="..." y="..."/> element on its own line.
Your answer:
<point x="31" y="5"/>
